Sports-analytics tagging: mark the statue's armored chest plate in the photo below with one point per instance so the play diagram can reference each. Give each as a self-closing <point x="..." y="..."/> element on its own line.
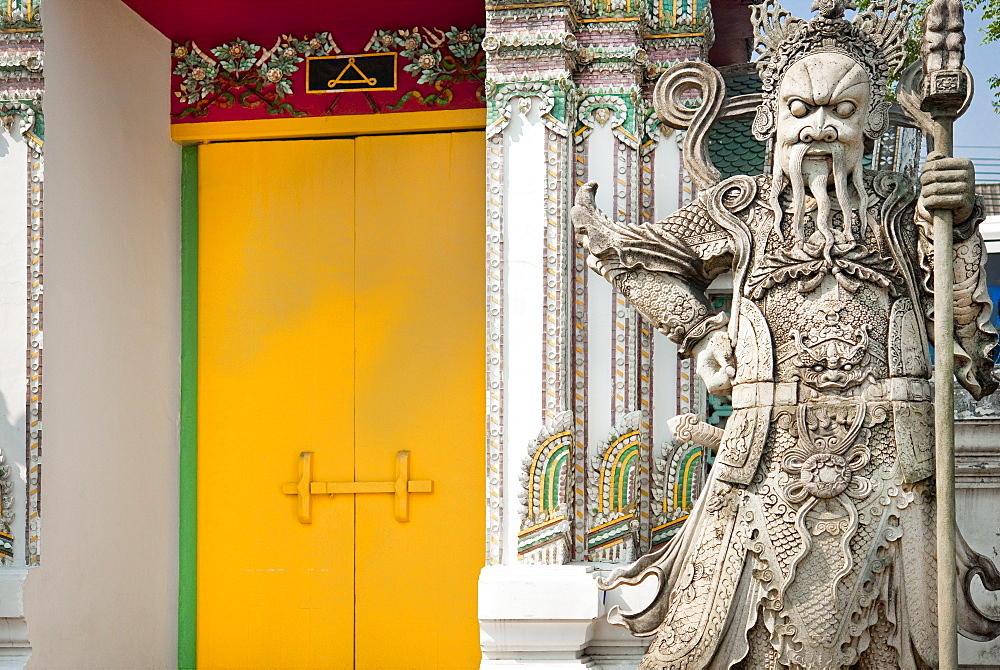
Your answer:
<point x="827" y="305"/>
<point x="826" y="340"/>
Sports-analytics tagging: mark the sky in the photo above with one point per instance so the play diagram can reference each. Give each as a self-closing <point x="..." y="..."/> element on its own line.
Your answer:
<point x="977" y="133"/>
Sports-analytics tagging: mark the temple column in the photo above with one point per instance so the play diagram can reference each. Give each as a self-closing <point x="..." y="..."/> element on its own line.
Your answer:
<point x="578" y="384"/>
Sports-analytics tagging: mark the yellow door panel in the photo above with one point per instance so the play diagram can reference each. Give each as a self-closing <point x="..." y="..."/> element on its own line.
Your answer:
<point x="341" y="312"/>
<point x="275" y="378"/>
<point x="420" y="330"/>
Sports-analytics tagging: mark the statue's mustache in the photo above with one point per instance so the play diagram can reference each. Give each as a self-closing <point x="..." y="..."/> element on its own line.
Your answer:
<point x="823" y="144"/>
<point x="798" y="154"/>
<point x="835" y="164"/>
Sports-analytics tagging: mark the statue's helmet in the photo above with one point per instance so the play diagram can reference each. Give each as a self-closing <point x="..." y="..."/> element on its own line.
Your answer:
<point x="874" y="39"/>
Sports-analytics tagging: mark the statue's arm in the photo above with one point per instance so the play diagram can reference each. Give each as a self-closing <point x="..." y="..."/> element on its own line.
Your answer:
<point x="945" y="184"/>
<point x="655" y="268"/>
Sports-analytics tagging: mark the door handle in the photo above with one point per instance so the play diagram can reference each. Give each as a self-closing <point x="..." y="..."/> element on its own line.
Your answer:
<point x="402" y="486"/>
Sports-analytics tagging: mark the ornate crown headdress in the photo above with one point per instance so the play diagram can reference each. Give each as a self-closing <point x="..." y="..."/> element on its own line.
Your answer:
<point x="875" y="39"/>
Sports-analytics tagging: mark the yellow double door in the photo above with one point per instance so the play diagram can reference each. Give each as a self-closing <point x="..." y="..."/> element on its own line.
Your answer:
<point x="341" y="289"/>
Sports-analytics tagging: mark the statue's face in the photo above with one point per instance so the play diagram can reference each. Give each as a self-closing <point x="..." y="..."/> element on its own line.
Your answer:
<point x="823" y="102"/>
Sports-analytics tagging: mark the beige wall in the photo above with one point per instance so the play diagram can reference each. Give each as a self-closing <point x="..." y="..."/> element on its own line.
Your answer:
<point x="105" y="595"/>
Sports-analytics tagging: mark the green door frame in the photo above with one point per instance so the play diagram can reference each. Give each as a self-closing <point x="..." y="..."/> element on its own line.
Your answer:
<point x="187" y="574"/>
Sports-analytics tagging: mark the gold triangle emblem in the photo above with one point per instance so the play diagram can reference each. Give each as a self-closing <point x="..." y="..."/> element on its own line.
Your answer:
<point x="361" y="78"/>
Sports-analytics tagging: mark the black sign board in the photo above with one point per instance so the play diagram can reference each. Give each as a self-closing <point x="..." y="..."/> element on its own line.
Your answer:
<point x="360" y="72"/>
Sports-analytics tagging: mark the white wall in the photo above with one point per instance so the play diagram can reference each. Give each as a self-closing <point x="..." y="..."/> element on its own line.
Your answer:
<point x="601" y="305"/>
<point x="105" y="594"/>
<point x="666" y="200"/>
<point x="14" y="186"/>
<point x="524" y="184"/>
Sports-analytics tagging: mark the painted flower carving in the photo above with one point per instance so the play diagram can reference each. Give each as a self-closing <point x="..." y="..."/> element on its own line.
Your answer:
<point x="244" y="74"/>
<point x="423" y="59"/>
<point x="320" y="44"/>
<point x="441" y="58"/>
<point x="279" y="67"/>
<point x="464" y="43"/>
<point x="383" y="41"/>
<point x="195" y="70"/>
<point x="237" y="56"/>
<point x="240" y="73"/>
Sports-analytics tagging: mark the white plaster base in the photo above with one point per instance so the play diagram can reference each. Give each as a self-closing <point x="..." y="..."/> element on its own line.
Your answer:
<point x="14" y="646"/>
<point x="555" y="617"/>
<point x="537" y="615"/>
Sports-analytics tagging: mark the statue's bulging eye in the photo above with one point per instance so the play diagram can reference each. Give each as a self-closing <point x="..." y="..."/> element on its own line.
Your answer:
<point x="798" y="108"/>
<point x="846" y="109"/>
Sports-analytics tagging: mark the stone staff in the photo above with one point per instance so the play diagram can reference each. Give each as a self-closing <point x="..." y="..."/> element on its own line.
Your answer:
<point x="946" y="89"/>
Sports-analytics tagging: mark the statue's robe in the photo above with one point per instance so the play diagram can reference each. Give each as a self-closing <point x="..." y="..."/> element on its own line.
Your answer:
<point x="813" y="542"/>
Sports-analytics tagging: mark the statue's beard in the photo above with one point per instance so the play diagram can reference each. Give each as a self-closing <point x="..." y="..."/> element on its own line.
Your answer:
<point x="814" y="175"/>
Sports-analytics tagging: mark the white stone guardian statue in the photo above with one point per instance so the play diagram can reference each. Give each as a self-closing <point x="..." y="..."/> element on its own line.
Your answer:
<point x="813" y="543"/>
